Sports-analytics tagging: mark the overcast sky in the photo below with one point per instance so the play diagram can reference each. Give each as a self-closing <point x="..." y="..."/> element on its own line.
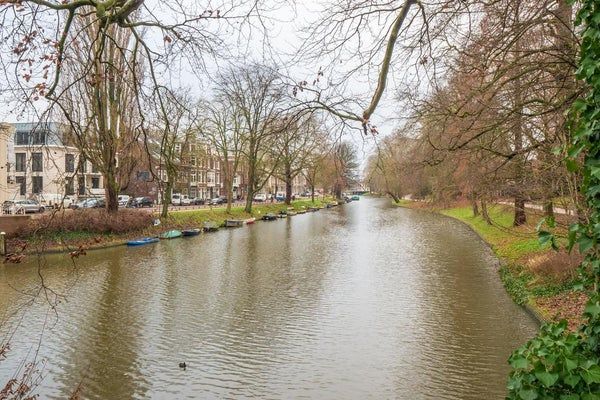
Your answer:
<point x="276" y="44"/>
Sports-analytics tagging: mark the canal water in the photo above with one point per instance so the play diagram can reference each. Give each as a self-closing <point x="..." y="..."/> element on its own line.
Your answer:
<point x="363" y="301"/>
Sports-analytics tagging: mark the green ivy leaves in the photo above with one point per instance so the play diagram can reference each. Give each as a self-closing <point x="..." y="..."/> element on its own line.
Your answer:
<point x="558" y="364"/>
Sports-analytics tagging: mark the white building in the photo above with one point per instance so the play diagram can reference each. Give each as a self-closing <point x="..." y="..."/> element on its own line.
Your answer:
<point x="8" y="188"/>
<point x="45" y="167"/>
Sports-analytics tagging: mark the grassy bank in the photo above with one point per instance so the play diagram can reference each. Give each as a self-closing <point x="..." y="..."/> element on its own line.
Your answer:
<point x="69" y="235"/>
<point x="533" y="275"/>
<point x="186" y="218"/>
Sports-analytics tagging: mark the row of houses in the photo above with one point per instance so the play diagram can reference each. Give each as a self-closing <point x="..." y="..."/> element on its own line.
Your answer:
<point x="37" y="161"/>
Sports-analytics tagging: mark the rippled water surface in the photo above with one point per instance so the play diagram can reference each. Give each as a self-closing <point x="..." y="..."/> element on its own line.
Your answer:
<point x="364" y="301"/>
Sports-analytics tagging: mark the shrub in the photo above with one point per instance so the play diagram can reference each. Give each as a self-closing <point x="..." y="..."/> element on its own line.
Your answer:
<point x="92" y="221"/>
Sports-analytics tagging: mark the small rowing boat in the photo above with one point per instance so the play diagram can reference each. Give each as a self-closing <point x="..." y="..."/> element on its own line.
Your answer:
<point x="210" y="226"/>
<point x="191" y="232"/>
<point x="249" y="221"/>
<point x="233" y="223"/>
<point x="172" y="234"/>
<point x="269" y="217"/>
<point x="142" y="241"/>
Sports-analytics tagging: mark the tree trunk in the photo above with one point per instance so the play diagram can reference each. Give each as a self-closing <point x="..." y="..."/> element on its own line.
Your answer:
<point x="484" y="213"/>
<point x="396" y="198"/>
<point x="228" y="191"/>
<point x="288" y="186"/>
<point x="112" y="193"/>
<point x="520" y="216"/>
<point x="166" y="199"/>
<point x="474" y="206"/>
<point x="312" y="193"/>
<point x="111" y="186"/>
<point x="250" y="194"/>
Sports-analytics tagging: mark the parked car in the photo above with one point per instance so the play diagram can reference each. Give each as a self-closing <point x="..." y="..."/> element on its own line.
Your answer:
<point x="216" y="201"/>
<point x="197" y="201"/>
<point x="56" y="200"/>
<point x="89" y="203"/>
<point x="178" y="199"/>
<point x="140" y="202"/>
<point x="123" y="200"/>
<point x="22" y="207"/>
<point x="260" y="197"/>
<point x="95" y="203"/>
<point x="280" y="197"/>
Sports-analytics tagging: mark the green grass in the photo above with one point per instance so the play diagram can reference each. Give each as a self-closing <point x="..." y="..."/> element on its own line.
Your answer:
<point x="508" y="242"/>
<point x="218" y="215"/>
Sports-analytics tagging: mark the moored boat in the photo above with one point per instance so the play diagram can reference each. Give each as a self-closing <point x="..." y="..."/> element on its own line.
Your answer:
<point x="210" y="226"/>
<point x="269" y="217"/>
<point x="190" y="232"/>
<point x="355" y="197"/>
<point x="291" y="213"/>
<point x="249" y="221"/>
<point x="313" y="209"/>
<point x="233" y="223"/>
<point x="172" y="234"/>
<point x="142" y="241"/>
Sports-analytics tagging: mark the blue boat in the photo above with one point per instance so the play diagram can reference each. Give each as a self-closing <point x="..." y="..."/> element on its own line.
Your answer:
<point x="142" y="241"/>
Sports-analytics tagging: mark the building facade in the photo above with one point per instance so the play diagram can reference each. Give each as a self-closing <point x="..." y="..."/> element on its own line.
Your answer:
<point x="44" y="166"/>
<point x="8" y="188"/>
<point x="276" y="185"/>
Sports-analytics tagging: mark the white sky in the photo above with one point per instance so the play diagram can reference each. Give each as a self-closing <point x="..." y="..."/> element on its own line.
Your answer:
<point x="283" y="24"/>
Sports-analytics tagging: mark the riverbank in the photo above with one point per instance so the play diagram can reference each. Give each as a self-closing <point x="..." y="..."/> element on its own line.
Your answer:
<point x="535" y="276"/>
<point x="78" y="240"/>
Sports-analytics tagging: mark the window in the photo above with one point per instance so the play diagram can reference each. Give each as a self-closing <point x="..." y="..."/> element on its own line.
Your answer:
<point x="69" y="163"/>
<point x="38" y="184"/>
<point x="38" y="138"/>
<point x="94" y="169"/>
<point x="177" y="148"/>
<point x="22" y="185"/>
<point x="69" y="187"/>
<point x="193" y="160"/>
<point x="37" y="163"/>
<point x="22" y="138"/>
<point x="96" y="183"/>
<point x="193" y="176"/>
<point x="20" y="162"/>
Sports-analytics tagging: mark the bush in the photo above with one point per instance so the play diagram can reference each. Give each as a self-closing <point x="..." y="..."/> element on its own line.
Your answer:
<point x="92" y="221"/>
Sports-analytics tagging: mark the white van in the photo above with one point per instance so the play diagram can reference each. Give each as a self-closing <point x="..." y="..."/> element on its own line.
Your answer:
<point x="178" y="199"/>
<point x="123" y="200"/>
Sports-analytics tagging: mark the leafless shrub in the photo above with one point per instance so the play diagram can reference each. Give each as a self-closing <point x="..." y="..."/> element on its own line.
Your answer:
<point x="557" y="266"/>
<point x="92" y="221"/>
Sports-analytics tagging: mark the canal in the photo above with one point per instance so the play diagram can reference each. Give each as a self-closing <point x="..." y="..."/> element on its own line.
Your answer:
<point x="363" y="301"/>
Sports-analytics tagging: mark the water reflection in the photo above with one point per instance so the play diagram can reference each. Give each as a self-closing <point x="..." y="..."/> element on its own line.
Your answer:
<point x="361" y="301"/>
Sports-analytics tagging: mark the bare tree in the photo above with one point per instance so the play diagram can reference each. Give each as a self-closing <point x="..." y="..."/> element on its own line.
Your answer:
<point x="173" y="127"/>
<point x="224" y="130"/>
<point x="257" y="93"/>
<point x="101" y="110"/>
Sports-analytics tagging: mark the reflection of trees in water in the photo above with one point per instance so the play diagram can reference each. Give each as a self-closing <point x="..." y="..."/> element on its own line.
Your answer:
<point x="103" y="351"/>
